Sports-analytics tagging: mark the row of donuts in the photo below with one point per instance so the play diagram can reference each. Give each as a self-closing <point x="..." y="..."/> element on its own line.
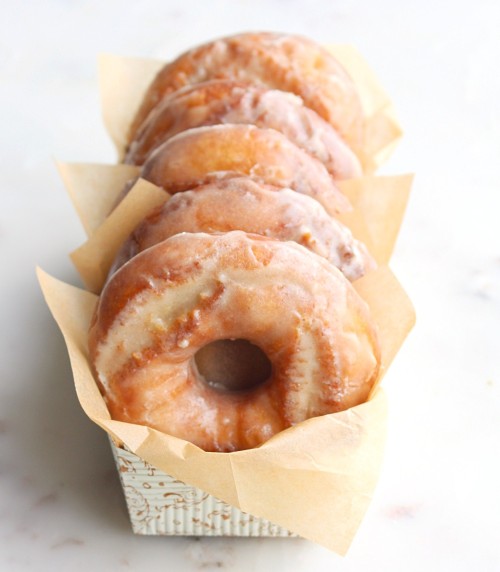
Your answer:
<point x="248" y="135"/>
<point x="190" y="135"/>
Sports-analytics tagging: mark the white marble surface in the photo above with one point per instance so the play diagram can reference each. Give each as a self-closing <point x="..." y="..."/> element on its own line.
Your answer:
<point x="437" y="506"/>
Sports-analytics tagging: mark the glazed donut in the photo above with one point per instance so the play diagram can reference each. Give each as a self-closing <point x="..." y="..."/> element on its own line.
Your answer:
<point x="226" y="101"/>
<point x="179" y="296"/>
<point x="285" y="62"/>
<point x="244" y="204"/>
<point x="207" y="154"/>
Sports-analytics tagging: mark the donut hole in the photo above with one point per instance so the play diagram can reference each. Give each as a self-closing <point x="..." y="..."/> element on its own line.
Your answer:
<point x="233" y="365"/>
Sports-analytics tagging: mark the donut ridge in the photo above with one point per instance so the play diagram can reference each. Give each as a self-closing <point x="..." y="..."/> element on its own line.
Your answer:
<point x="206" y="154"/>
<point x="241" y="203"/>
<point x="230" y="101"/>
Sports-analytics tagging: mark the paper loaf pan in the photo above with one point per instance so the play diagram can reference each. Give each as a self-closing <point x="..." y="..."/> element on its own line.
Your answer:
<point x="161" y="505"/>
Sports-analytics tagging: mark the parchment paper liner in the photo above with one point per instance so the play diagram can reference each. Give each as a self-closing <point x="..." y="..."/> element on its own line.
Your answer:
<point x="315" y="479"/>
<point x="124" y="80"/>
